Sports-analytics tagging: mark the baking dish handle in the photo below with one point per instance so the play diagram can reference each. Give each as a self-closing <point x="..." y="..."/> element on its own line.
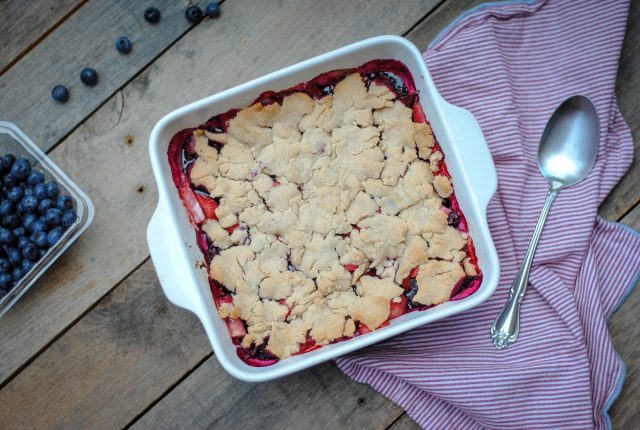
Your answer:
<point x="161" y="242"/>
<point x="484" y="182"/>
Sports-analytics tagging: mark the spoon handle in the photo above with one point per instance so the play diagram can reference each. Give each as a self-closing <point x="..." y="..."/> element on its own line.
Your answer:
<point x="506" y="327"/>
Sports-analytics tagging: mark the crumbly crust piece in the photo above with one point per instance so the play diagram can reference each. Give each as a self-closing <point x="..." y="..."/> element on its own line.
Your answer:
<point x="333" y="203"/>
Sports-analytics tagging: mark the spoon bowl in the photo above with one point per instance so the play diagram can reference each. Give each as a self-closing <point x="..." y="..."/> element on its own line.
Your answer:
<point x="569" y="143"/>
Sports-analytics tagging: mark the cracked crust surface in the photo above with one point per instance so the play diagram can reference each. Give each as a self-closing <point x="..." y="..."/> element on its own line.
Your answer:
<point x="333" y="202"/>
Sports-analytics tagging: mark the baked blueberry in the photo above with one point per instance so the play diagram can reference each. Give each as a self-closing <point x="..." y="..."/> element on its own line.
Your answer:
<point x="44" y="205"/>
<point x="21" y="169"/>
<point x="53" y="216"/>
<point x="213" y="10"/>
<point x="123" y="45"/>
<point x="68" y="218"/>
<point x="30" y="251"/>
<point x="193" y="14"/>
<point x="52" y="189"/>
<point x="39" y="191"/>
<point x="35" y="177"/>
<point x="54" y="236"/>
<point x="40" y="239"/>
<point x="15" y="194"/>
<point x="89" y="76"/>
<point x="453" y="219"/>
<point x="64" y="202"/>
<point x="60" y="93"/>
<point x="29" y="204"/>
<point x="152" y="15"/>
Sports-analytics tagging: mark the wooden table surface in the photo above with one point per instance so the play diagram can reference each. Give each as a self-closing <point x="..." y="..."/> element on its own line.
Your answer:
<point x="95" y="344"/>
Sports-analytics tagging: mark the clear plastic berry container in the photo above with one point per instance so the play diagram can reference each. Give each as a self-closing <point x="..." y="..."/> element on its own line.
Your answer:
<point x="14" y="141"/>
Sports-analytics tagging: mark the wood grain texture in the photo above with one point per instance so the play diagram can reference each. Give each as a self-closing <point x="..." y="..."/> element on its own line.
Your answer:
<point x="86" y="39"/>
<point x="108" y="154"/>
<point x="107" y="368"/>
<point x="404" y="423"/>
<point x="318" y="398"/>
<point x="24" y="24"/>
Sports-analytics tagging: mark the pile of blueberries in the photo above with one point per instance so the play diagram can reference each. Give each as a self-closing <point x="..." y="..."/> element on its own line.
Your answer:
<point x="33" y="217"/>
<point x="152" y="15"/>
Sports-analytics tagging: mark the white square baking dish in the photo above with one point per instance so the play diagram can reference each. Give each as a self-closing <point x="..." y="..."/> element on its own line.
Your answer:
<point x="172" y="240"/>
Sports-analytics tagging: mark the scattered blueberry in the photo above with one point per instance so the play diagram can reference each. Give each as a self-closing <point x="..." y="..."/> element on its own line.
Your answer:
<point x="213" y="10"/>
<point x="123" y="44"/>
<point x="53" y="216"/>
<point x="60" y="93"/>
<point x="17" y="273"/>
<point x="88" y="76"/>
<point x="10" y="158"/>
<point x="19" y="231"/>
<point x="19" y="207"/>
<point x="40" y="239"/>
<point x="8" y="180"/>
<point x="44" y="205"/>
<point x="22" y="242"/>
<point x="193" y="14"/>
<point x="15" y="194"/>
<point x="6" y="236"/>
<point x="5" y="282"/>
<point x="28" y="191"/>
<point x="35" y="178"/>
<point x="28" y="221"/>
<point x="4" y="164"/>
<point x="152" y="15"/>
<point x="30" y="251"/>
<point x="14" y="256"/>
<point x="52" y="189"/>
<point x="11" y="221"/>
<point x="21" y="169"/>
<point x="27" y="265"/>
<point x="4" y="265"/>
<point x="6" y="207"/>
<point x="54" y="236"/>
<point x="68" y="218"/>
<point x="64" y="202"/>
<point x="39" y="190"/>
<point x="29" y="204"/>
<point x="40" y="225"/>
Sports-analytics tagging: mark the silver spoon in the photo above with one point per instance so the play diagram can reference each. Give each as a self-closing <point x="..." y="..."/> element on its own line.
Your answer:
<point x="566" y="154"/>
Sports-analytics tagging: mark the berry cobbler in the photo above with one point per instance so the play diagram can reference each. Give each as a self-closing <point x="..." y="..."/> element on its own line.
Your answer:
<point x="323" y="211"/>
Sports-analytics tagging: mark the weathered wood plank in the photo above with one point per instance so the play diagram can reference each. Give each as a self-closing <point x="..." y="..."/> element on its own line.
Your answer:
<point x="318" y="398"/>
<point x="102" y="372"/>
<point x="87" y="38"/>
<point x="107" y="155"/>
<point x="22" y="25"/>
<point x="404" y="423"/>
<point x="625" y="331"/>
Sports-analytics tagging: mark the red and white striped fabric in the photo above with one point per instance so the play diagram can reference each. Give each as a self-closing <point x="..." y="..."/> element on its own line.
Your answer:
<point x="511" y="64"/>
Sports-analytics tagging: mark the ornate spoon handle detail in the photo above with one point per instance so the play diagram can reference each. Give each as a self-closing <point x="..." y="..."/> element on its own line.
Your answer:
<point x="506" y="327"/>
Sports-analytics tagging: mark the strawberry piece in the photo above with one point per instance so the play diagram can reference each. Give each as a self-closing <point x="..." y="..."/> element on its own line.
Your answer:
<point x="236" y="328"/>
<point x="208" y="205"/>
<point x="399" y="308"/>
<point x="232" y="228"/>
<point x="363" y="329"/>
<point x="350" y="267"/>
<point x="418" y="113"/>
<point x="414" y="272"/>
<point x="190" y="201"/>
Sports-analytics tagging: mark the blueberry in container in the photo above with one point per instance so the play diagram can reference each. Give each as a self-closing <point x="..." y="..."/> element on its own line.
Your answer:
<point x="37" y="254"/>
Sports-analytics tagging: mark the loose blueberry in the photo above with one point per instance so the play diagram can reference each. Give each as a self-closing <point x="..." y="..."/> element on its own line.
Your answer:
<point x="19" y="208"/>
<point x="19" y="231"/>
<point x="14" y="256"/>
<point x="11" y="221"/>
<point x="30" y="251"/>
<point x="88" y="76"/>
<point x="40" y="225"/>
<point x="39" y="191"/>
<point x="193" y="14"/>
<point x="64" y="202"/>
<point x="6" y="236"/>
<point x="44" y="205"/>
<point x="9" y="180"/>
<point x="27" y="265"/>
<point x="29" y="204"/>
<point x="54" y="236"/>
<point x="21" y="169"/>
<point x="10" y="158"/>
<point x="60" y="93"/>
<point x="53" y="216"/>
<point x="5" y="282"/>
<point x="35" y="178"/>
<point x="15" y="194"/>
<point x="5" y="265"/>
<point x="123" y="45"/>
<point x="42" y="252"/>
<point x="22" y="242"/>
<point x="28" y="191"/>
<point x="4" y="164"/>
<point x="7" y="207"/>
<point x="40" y="239"/>
<point x="68" y="218"/>
<point x="4" y="292"/>
<point x="213" y="10"/>
<point x="152" y="15"/>
<point x="28" y="221"/>
<point x="52" y="189"/>
<point x="17" y="274"/>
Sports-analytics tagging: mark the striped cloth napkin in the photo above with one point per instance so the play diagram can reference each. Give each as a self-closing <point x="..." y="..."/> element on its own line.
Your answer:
<point x="511" y="64"/>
